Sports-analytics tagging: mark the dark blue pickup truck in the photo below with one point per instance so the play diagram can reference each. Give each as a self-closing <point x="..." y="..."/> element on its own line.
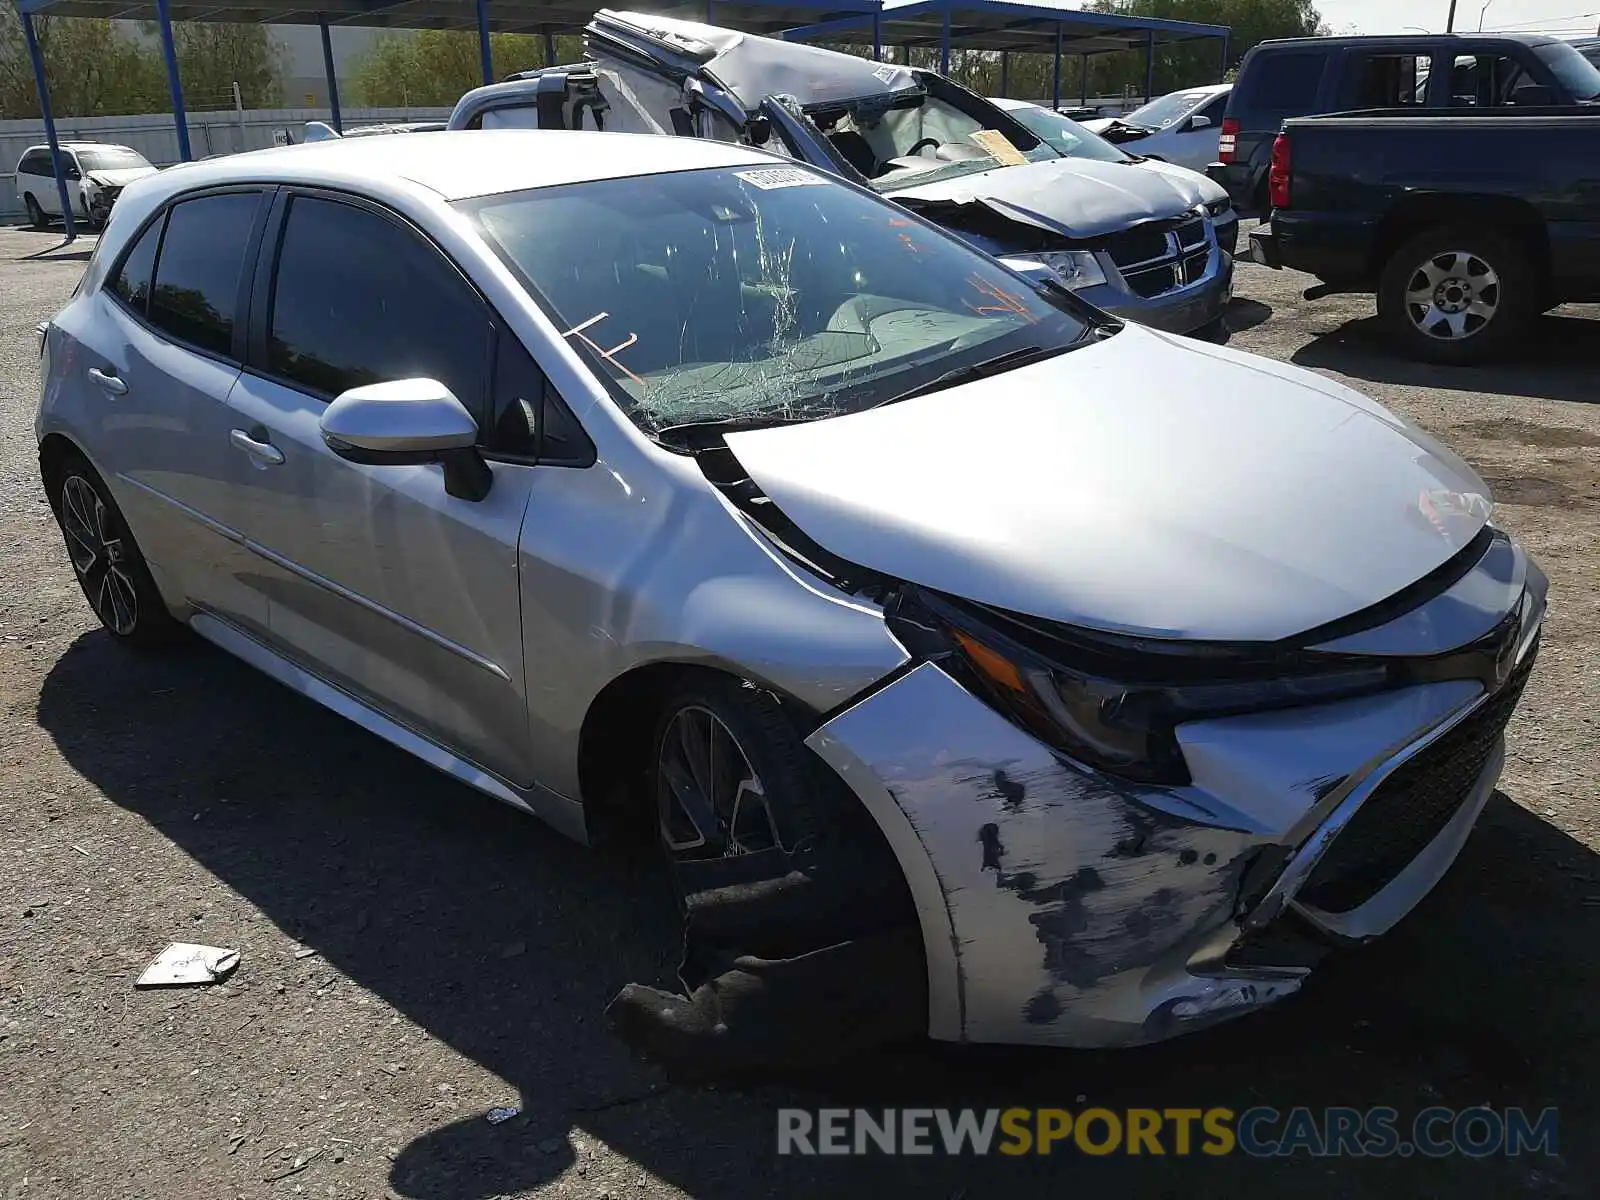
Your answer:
<point x="1466" y="227"/>
<point x="1442" y="73"/>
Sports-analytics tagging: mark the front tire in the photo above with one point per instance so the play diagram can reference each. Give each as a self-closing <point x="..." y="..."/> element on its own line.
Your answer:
<point x="107" y="561"/>
<point x="772" y="853"/>
<point x="1457" y="295"/>
<point x="36" y="216"/>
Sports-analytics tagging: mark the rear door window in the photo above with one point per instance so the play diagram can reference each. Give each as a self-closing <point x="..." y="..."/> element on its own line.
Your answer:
<point x="359" y="298"/>
<point x="1485" y="80"/>
<point x="1287" y="83"/>
<point x="1387" y="80"/>
<point x="34" y="162"/>
<point x="131" y="284"/>
<point x="195" y="297"/>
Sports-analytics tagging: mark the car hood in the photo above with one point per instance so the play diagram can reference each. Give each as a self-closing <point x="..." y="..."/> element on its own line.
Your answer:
<point x="120" y="178"/>
<point x="1142" y="484"/>
<point x="1076" y="197"/>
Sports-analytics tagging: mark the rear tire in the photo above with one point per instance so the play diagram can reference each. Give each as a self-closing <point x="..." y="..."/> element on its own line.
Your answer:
<point x="1457" y="295"/>
<point x="36" y="216"/>
<point x="107" y="561"/>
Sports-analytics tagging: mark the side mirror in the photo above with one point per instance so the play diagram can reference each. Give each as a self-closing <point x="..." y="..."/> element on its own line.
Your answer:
<point x="406" y="422"/>
<point x="1199" y="122"/>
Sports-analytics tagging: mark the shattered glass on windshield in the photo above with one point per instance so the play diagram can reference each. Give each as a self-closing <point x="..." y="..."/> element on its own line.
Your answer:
<point x="760" y="294"/>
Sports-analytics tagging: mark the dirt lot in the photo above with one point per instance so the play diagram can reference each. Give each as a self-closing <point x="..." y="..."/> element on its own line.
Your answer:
<point x="463" y="954"/>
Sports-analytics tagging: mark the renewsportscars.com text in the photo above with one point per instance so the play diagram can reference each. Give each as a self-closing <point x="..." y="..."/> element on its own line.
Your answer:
<point x="1258" y="1132"/>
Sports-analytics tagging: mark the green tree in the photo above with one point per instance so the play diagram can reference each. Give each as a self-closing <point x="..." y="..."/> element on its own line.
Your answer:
<point x="213" y="56"/>
<point x="433" y="67"/>
<point x="92" y="67"/>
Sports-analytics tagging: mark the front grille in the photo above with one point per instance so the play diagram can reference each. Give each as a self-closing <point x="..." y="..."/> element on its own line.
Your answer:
<point x="1157" y="258"/>
<point x="1191" y="233"/>
<point x="1409" y="808"/>
<point x="1173" y="273"/>
<point x="1138" y="245"/>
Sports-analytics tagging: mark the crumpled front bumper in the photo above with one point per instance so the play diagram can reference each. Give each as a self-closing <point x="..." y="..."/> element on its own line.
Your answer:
<point x="1060" y="907"/>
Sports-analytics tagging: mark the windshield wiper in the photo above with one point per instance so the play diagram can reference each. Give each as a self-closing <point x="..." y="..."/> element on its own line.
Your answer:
<point x="1010" y="360"/>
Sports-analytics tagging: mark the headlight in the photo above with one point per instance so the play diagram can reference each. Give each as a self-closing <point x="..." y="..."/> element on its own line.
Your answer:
<point x="1116" y="706"/>
<point x="1074" y="268"/>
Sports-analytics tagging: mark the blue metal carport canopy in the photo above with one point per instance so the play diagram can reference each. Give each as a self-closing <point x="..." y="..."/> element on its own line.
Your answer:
<point x="547" y="17"/>
<point x="1007" y="26"/>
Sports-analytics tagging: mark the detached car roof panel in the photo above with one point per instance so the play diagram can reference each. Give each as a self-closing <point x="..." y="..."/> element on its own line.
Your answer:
<point x="754" y="68"/>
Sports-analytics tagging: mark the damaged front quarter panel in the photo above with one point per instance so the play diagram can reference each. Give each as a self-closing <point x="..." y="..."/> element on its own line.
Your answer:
<point x="1061" y="907"/>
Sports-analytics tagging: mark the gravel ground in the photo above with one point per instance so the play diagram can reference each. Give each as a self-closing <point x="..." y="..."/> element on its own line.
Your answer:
<point x="461" y="954"/>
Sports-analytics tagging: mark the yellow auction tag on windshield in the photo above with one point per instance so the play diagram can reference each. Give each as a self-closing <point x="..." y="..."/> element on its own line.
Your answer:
<point x="999" y="147"/>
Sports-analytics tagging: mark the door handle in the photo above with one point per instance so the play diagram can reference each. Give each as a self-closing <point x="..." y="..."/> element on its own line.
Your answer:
<point x="108" y="381"/>
<point x="263" y="454"/>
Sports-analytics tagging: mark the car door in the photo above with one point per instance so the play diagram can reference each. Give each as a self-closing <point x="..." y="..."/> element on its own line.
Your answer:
<point x="374" y="577"/>
<point x="35" y="178"/>
<point x="154" y="353"/>
<point x="1197" y="148"/>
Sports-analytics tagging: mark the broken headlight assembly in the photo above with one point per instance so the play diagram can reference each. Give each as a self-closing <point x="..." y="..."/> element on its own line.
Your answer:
<point x="1074" y="268"/>
<point x="1110" y="702"/>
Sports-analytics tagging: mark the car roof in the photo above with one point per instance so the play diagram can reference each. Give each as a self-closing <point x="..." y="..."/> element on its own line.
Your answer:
<point x="81" y="146"/>
<point x="463" y="163"/>
<point x="1404" y="39"/>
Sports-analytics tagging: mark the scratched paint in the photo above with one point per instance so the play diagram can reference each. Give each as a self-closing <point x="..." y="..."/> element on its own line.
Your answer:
<point x="1077" y="903"/>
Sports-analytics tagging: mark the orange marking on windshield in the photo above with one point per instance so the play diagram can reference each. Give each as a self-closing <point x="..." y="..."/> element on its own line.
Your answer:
<point x="577" y="331"/>
<point x="1006" y="302"/>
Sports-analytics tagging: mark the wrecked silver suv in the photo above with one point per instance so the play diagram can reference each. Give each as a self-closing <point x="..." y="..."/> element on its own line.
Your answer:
<point x="1144" y="241"/>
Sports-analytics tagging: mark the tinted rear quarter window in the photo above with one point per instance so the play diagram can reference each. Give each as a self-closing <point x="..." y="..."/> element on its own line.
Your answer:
<point x="196" y="292"/>
<point x="1283" y="82"/>
<point x="359" y="299"/>
<point x="132" y="281"/>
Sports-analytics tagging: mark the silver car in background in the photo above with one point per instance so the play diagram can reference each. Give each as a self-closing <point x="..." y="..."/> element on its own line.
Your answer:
<point x="1182" y="127"/>
<point x="988" y="668"/>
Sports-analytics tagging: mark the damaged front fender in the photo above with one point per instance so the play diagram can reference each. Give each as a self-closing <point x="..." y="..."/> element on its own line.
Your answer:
<point x="1061" y="907"/>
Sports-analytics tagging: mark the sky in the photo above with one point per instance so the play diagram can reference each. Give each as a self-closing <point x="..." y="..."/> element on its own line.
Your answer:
<point x="1393" y="16"/>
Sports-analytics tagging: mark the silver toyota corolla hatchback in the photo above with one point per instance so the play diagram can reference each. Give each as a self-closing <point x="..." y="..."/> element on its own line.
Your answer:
<point x="980" y="659"/>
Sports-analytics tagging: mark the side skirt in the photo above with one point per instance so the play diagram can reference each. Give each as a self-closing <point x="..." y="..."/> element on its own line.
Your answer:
<point x="565" y="816"/>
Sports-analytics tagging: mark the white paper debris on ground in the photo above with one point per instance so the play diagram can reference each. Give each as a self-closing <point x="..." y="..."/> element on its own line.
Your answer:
<point x="305" y="952"/>
<point x="498" y="1115"/>
<point x="184" y="964"/>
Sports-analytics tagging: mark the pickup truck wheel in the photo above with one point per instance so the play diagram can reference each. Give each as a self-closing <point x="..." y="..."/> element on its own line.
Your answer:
<point x="1457" y="295"/>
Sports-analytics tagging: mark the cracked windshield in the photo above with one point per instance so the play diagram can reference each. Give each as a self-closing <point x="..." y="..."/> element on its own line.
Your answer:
<point x="763" y="294"/>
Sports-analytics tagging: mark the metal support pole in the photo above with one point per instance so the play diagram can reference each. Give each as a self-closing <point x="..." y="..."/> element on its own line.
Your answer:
<point x="485" y="53"/>
<point x="180" y="118"/>
<point x="877" y="33"/>
<point x="49" y="124"/>
<point x="333" y="76"/>
<point x="944" y="45"/>
<point x="1005" y="73"/>
<point x="711" y="12"/>
<point x="1222" y="71"/>
<point x="1055" y="87"/>
<point x="549" y="48"/>
<point x="1083" y="80"/>
<point x="1149" y="65"/>
<point x="1450" y="21"/>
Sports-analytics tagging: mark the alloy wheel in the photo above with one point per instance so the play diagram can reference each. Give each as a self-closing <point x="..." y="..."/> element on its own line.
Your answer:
<point x="98" y="557"/>
<point x="710" y="801"/>
<point x="1452" y="295"/>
